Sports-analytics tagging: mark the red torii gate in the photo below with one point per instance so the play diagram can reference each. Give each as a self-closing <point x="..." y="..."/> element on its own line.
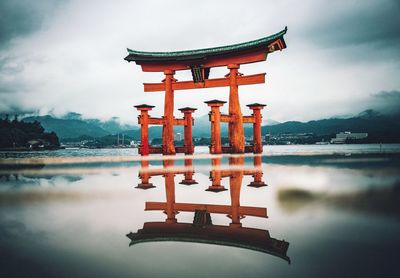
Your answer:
<point x="200" y="62"/>
<point x="202" y="229"/>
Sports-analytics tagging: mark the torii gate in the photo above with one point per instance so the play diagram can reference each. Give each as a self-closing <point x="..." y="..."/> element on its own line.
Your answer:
<point x="202" y="229"/>
<point x="200" y="62"/>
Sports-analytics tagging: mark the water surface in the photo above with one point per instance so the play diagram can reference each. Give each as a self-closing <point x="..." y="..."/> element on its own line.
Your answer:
<point x="293" y="212"/>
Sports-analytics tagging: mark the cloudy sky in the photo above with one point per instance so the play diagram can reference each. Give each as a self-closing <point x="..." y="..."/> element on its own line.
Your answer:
<point x="61" y="56"/>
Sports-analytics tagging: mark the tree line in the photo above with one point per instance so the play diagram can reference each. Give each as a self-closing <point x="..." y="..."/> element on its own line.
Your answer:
<point x="15" y="134"/>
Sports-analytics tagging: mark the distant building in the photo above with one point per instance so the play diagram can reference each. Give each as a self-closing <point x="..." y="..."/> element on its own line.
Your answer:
<point x="295" y="136"/>
<point x="133" y="144"/>
<point x="248" y="139"/>
<point x="178" y="136"/>
<point x="347" y="135"/>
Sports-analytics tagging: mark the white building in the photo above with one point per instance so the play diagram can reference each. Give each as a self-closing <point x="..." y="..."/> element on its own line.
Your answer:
<point x="347" y="135"/>
<point x="178" y="136"/>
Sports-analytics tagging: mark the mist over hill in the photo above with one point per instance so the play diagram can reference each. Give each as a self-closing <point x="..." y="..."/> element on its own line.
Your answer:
<point x="73" y="126"/>
<point x="382" y="127"/>
<point x="385" y="128"/>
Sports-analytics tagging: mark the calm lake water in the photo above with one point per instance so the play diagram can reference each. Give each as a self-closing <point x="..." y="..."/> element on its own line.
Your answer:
<point x="295" y="211"/>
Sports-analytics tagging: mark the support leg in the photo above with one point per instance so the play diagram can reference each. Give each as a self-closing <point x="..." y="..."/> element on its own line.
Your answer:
<point x="168" y="127"/>
<point x="236" y="132"/>
<point x="144" y="148"/>
<point x="215" y="118"/>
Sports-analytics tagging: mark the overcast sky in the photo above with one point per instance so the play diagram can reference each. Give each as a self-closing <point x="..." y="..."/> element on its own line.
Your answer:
<point x="342" y="57"/>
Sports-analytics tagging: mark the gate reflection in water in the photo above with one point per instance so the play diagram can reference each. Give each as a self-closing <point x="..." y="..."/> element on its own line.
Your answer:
<point x="202" y="229"/>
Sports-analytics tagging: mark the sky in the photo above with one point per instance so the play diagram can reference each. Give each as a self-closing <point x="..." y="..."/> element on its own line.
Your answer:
<point x="60" y="56"/>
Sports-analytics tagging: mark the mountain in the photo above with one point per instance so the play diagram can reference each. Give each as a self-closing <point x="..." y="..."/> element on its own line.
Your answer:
<point x="68" y="128"/>
<point x="383" y="127"/>
<point x="270" y="122"/>
<point x="113" y="125"/>
<point x="26" y="135"/>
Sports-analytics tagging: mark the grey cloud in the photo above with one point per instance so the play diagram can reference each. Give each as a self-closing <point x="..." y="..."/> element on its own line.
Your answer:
<point x="67" y="61"/>
<point x="21" y="17"/>
<point x="383" y="103"/>
<point x="387" y="102"/>
<point x="375" y="23"/>
<point x="9" y="66"/>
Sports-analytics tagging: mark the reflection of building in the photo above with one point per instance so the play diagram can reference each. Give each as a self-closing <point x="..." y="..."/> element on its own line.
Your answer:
<point x="202" y="229"/>
<point x="347" y="135"/>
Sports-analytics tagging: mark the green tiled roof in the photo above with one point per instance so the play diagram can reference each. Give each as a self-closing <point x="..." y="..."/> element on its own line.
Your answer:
<point x="135" y="55"/>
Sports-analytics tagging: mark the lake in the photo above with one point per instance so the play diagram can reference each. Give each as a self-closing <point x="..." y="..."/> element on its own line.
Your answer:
<point x="295" y="211"/>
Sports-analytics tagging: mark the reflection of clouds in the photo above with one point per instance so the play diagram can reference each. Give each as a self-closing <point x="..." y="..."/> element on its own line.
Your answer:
<point x="383" y="200"/>
<point x="13" y="229"/>
<point x="36" y="180"/>
<point x="50" y="195"/>
<point x="331" y="179"/>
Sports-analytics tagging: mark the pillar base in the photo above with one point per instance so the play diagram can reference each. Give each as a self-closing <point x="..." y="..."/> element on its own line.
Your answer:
<point x="188" y="182"/>
<point x="216" y="188"/>
<point x="257" y="184"/>
<point x="145" y="186"/>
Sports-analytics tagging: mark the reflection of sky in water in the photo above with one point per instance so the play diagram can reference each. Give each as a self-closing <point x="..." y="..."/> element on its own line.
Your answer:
<point x="333" y="211"/>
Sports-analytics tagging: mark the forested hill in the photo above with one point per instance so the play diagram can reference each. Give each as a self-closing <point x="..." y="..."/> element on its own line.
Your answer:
<point x="376" y="125"/>
<point x="19" y="134"/>
<point x="68" y="128"/>
<point x="384" y="128"/>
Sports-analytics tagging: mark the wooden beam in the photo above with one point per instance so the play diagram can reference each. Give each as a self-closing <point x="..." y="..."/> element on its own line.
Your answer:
<point x="225" y="118"/>
<point x="179" y="122"/>
<point x="248" y="119"/>
<point x="208" y="83"/>
<point x="248" y="149"/>
<point x="180" y="149"/>
<point x="220" y="209"/>
<point x="156" y="121"/>
<point x="162" y="172"/>
<point x="156" y="150"/>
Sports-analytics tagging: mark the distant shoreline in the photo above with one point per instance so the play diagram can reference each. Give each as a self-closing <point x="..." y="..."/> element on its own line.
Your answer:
<point x="25" y="149"/>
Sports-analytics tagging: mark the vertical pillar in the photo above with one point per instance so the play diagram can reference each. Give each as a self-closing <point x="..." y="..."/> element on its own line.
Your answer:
<point x="235" y="182"/>
<point x="168" y="127"/>
<point x="257" y="141"/>
<point x="144" y="176"/>
<point x="258" y="173"/>
<point x="216" y="176"/>
<point x="215" y="118"/>
<point x="169" y="178"/>
<point x="143" y="120"/>
<point x="188" y="135"/>
<point x="236" y="133"/>
<point x="188" y="180"/>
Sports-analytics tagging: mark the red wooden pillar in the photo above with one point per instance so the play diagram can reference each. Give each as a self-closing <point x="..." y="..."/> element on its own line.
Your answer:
<point x="143" y="120"/>
<point x="216" y="176"/>
<point x="235" y="183"/>
<point x="168" y="127"/>
<point x="188" y="137"/>
<point x="188" y="180"/>
<point x="169" y="178"/>
<point x="144" y="176"/>
<point x="215" y="118"/>
<point x="236" y="132"/>
<point x="257" y="141"/>
<point x="258" y="173"/>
